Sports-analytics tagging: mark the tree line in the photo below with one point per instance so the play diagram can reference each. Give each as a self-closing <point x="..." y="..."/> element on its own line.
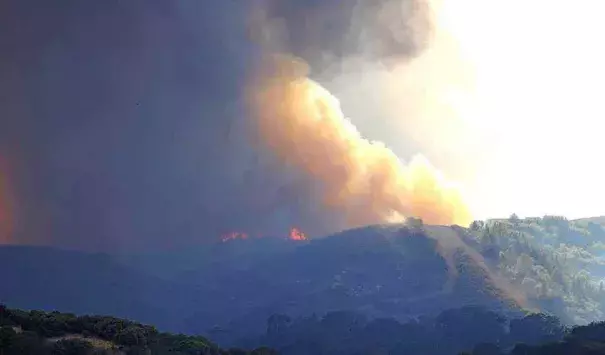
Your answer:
<point x="476" y="330"/>
<point x="55" y="333"/>
<point x="449" y="333"/>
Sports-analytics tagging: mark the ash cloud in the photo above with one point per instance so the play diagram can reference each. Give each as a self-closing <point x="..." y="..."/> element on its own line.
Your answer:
<point x="357" y="181"/>
<point x="326" y="33"/>
<point x="126" y="122"/>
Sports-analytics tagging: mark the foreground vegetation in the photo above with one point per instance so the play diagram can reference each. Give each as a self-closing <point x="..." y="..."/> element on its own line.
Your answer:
<point x="473" y="329"/>
<point x="480" y="331"/>
<point x="582" y="340"/>
<point x="54" y="333"/>
<point x="452" y="331"/>
<point x="382" y="272"/>
<point x="559" y="264"/>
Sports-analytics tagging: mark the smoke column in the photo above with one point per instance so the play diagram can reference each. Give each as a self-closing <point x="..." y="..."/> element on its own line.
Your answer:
<point x="363" y="181"/>
<point x="118" y="113"/>
<point x="485" y="90"/>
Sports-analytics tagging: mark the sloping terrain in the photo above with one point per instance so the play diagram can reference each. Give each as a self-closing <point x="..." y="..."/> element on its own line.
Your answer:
<point x="558" y="264"/>
<point x="51" y="333"/>
<point x="598" y="220"/>
<point x="380" y="271"/>
<point x="229" y="290"/>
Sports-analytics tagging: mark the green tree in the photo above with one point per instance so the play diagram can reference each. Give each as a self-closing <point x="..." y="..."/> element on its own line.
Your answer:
<point x="131" y="336"/>
<point x="3" y="315"/>
<point x="277" y="323"/>
<point x="72" y="347"/>
<point x="28" y="343"/>
<point x="514" y="219"/>
<point x="264" y="351"/>
<point x="486" y="349"/>
<point x="477" y="225"/>
<point x="415" y="223"/>
<point x="7" y="338"/>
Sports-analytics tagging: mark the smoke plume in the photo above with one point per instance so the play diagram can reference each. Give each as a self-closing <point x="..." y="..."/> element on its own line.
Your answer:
<point x="127" y="124"/>
<point x="362" y="181"/>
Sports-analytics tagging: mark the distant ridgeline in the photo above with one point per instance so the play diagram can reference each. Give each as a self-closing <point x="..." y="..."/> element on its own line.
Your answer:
<point x="559" y="264"/>
<point x="227" y="291"/>
<point x="41" y="333"/>
<point x="474" y="329"/>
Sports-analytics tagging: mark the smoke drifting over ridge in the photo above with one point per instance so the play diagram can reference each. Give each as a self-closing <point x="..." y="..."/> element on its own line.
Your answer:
<point x="361" y="181"/>
<point x="121" y="112"/>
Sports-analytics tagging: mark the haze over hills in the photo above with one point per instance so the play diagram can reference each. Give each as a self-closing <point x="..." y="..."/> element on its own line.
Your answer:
<point x="171" y="146"/>
<point x="599" y="220"/>
<point x="401" y="271"/>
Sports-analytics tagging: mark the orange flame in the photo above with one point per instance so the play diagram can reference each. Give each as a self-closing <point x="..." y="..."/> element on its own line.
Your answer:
<point x="297" y="234"/>
<point x="233" y="236"/>
<point x="294" y="234"/>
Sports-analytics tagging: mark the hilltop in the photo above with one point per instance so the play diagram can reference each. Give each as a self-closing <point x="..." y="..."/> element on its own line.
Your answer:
<point x="228" y="290"/>
<point x="598" y="220"/>
<point x="557" y="263"/>
<point x="41" y="333"/>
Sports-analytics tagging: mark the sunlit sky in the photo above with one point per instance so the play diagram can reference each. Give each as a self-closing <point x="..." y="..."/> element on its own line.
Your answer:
<point x="507" y="101"/>
<point x="539" y="81"/>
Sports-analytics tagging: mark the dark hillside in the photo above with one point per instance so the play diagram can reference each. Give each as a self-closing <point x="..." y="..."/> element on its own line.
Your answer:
<point x="54" y="333"/>
<point x="230" y="290"/>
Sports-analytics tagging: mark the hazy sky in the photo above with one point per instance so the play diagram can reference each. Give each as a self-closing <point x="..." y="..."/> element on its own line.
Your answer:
<point x="539" y="77"/>
<point x="506" y="101"/>
<point x="121" y="122"/>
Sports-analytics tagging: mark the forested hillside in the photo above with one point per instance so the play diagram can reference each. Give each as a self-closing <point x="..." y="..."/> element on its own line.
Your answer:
<point x="54" y="333"/>
<point x="450" y="332"/>
<point x="477" y="330"/>
<point x="228" y="293"/>
<point x="559" y="264"/>
<point x="408" y="271"/>
<point x="480" y="331"/>
<point x="581" y="340"/>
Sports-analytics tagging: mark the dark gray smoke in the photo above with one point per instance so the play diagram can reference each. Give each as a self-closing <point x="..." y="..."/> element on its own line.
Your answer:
<point x="124" y="125"/>
<point x="326" y="32"/>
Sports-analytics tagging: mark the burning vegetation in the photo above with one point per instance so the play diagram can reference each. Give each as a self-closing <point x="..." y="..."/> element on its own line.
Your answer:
<point x="294" y="234"/>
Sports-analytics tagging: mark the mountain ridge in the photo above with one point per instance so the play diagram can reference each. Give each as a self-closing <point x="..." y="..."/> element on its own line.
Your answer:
<point x="405" y="271"/>
<point x="387" y="270"/>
